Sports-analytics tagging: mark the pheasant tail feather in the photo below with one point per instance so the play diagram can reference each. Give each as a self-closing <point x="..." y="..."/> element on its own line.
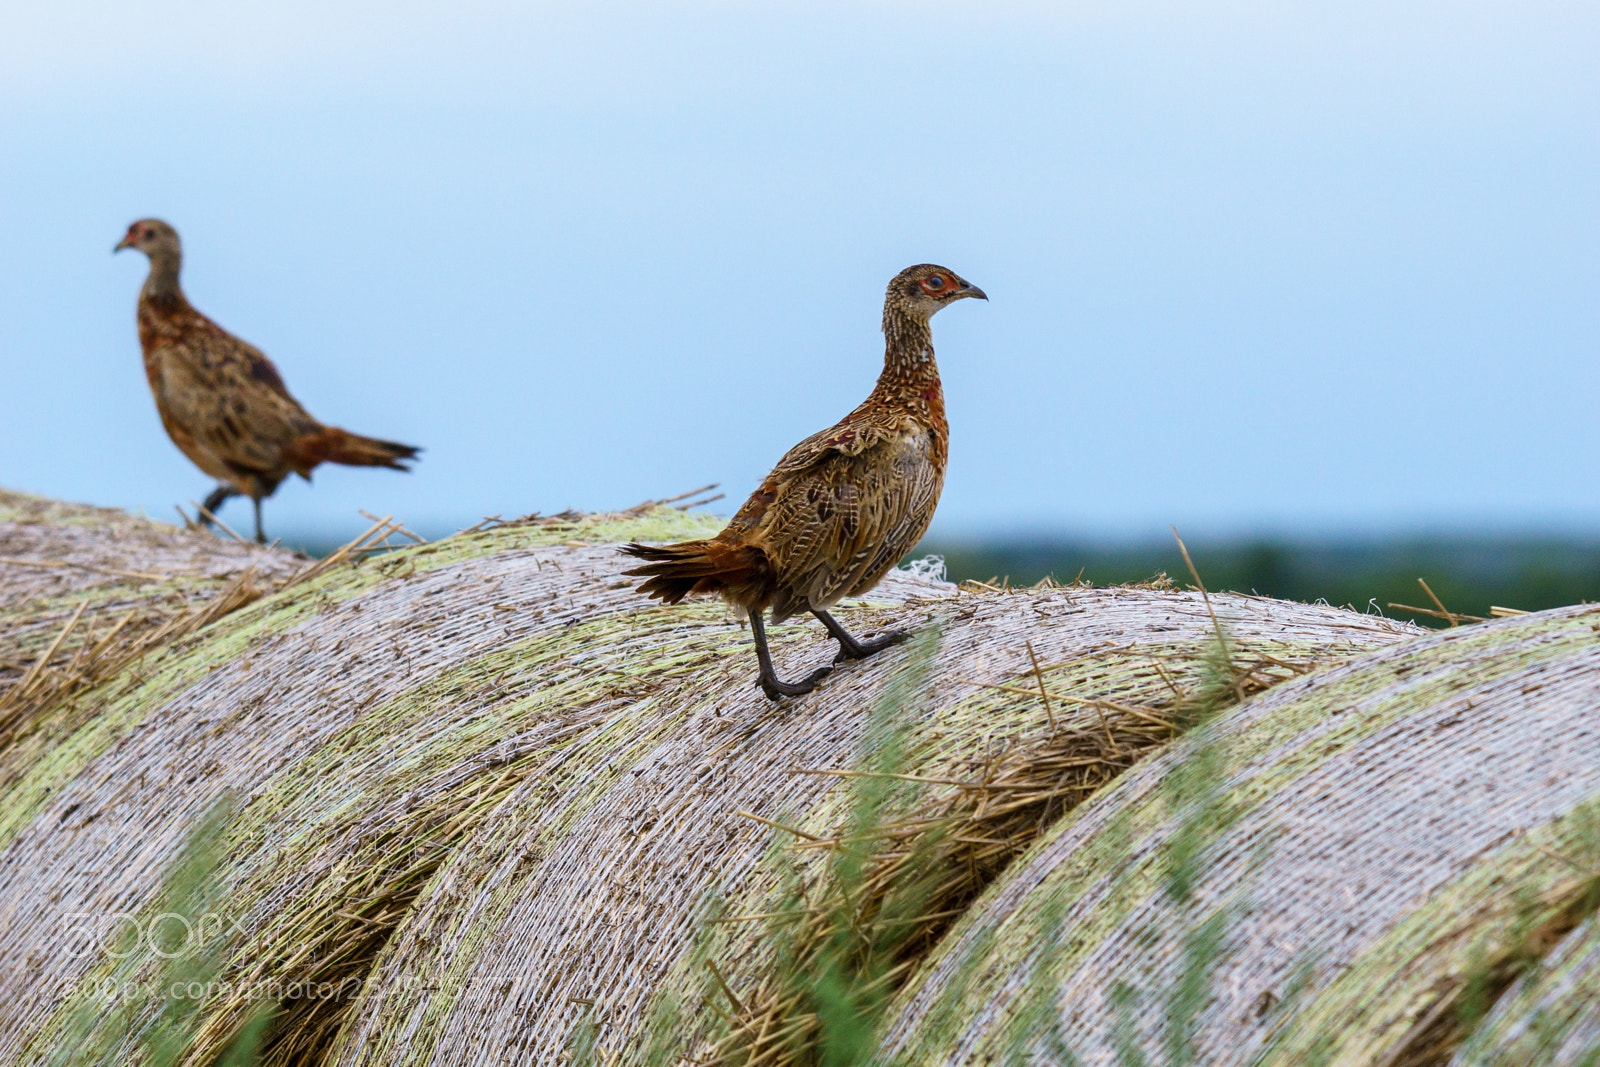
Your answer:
<point x="333" y="445"/>
<point x="711" y="566"/>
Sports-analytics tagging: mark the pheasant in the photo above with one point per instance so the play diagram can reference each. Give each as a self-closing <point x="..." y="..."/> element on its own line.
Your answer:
<point x="841" y="507"/>
<point x="222" y="401"/>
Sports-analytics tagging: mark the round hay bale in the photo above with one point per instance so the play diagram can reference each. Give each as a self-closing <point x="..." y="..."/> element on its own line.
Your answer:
<point x="84" y="592"/>
<point x="1374" y="855"/>
<point x="484" y="796"/>
<point x="56" y="557"/>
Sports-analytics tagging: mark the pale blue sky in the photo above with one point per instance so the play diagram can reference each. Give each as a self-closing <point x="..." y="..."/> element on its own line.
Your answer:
<point x="1251" y="268"/>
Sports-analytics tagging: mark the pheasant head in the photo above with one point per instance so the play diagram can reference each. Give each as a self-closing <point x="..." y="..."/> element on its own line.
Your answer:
<point x="918" y="292"/>
<point x="154" y="238"/>
<point x="158" y="241"/>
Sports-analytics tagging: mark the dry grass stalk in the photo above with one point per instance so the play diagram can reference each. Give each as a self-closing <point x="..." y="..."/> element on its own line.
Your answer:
<point x="375" y="534"/>
<point x="1454" y="618"/>
<point x="1444" y="611"/>
<point x="1222" y="638"/>
<point x="400" y="529"/>
<point x="202" y="511"/>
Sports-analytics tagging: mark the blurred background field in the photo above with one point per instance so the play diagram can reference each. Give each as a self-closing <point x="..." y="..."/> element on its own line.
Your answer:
<point x="1468" y="574"/>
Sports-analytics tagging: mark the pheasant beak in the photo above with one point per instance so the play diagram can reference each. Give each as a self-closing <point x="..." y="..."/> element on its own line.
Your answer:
<point x="968" y="289"/>
<point x="126" y="242"/>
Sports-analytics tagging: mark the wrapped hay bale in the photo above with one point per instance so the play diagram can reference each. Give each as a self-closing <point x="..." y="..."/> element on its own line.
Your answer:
<point x="84" y="592"/>
<point x="1350" y="869"/>
<point x="484" y="797"/>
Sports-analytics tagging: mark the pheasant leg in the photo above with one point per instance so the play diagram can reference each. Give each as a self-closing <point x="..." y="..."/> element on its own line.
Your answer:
<point x="771" y="684"/>
<point x="261" y="538"/>
<point x="208" y="509"/>
<point x="849" y="647"/>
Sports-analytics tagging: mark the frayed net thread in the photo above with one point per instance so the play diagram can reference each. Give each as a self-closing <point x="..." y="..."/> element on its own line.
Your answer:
<point x="930" y="568"/>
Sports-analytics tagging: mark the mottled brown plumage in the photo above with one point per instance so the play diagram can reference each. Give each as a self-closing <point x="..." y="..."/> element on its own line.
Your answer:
<point x="222" y="401"/>
<point x="844" y="505"/>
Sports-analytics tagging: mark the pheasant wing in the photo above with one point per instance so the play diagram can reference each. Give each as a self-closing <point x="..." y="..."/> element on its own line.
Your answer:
<point x="838" y="522"/>
<point x="230" y="398"/>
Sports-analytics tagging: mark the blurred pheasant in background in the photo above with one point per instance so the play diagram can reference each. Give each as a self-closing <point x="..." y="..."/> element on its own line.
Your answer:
<point x="843" y="506"/>
<point x="222" y="401"/>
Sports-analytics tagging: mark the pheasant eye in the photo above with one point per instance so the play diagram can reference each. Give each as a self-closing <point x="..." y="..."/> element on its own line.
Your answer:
<point x="934" y="281"/>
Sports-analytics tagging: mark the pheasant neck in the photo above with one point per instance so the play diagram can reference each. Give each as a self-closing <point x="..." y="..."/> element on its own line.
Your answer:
<point x="908" y="352"/>
<point x="162" y="284"/>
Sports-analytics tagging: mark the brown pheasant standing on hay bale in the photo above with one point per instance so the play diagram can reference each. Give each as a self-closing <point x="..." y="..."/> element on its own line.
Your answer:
<point x="222" y="401"/>
<point x="843" y="506"/>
